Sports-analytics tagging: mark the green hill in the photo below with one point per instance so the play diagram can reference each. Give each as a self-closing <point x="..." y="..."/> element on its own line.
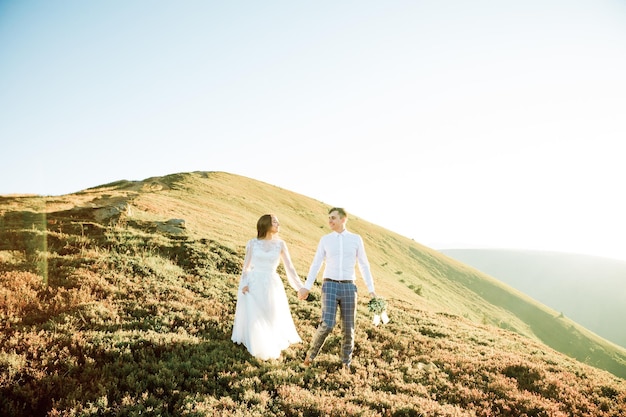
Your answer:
<point x="109" y="307"/>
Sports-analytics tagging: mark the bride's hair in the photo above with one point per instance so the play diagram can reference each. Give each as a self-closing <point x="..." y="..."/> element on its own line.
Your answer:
<point x="263" y="225"/>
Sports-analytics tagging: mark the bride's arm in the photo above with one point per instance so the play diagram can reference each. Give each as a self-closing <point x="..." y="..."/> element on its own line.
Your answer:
<point x="247" y="264"/>
<point x="292" y="275"/>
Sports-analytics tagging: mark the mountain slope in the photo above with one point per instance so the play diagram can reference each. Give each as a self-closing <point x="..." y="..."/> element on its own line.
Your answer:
<point x="135" y="313"/>
<point x="591" y="290"/>
<point x="227" y="206"/>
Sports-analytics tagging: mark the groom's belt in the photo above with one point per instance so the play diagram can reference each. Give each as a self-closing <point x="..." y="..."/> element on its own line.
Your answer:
<point x="346" y="281"/>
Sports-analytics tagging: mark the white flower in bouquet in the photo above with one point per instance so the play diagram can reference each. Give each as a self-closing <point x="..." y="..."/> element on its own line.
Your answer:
<point x="384" y="317"/>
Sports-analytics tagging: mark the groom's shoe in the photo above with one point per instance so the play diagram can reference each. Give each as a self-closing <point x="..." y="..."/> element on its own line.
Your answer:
<point x="346" y="369"/>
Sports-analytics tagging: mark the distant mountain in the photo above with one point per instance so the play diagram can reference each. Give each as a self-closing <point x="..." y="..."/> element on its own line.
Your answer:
<point x="590" y="290"/>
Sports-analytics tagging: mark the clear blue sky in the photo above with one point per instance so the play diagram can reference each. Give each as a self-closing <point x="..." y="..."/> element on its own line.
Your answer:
<point x="455" y="123"/>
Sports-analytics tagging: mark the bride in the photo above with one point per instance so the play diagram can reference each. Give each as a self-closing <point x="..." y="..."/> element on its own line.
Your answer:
<point x="263" y="322"/>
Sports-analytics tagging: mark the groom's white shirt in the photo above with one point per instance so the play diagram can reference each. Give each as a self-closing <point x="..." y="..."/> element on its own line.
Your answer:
<point x="340" y="252"/>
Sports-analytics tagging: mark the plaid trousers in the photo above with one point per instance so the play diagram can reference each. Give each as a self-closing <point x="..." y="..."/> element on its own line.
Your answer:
<point x="343" y="295"/>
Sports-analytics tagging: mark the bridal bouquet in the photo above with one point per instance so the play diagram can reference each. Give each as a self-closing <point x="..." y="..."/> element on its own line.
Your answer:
<point x="378" y="306"/>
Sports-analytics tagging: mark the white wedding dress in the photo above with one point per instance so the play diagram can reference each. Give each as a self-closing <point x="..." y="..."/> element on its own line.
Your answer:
<point x="263" y="322"/>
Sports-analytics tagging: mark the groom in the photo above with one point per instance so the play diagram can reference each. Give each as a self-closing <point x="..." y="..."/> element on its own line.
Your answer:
<point x="341" y="250"/>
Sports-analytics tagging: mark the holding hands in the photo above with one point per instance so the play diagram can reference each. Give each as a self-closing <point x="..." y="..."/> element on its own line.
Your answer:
<point x="303" y="293"/>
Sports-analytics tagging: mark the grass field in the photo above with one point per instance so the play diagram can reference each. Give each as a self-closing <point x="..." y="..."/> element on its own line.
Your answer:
<point x="103" y="313"/>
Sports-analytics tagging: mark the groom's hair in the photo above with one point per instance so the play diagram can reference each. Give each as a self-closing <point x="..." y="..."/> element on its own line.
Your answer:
<point x="263" y="225"/>
<point x="342" y="213"/>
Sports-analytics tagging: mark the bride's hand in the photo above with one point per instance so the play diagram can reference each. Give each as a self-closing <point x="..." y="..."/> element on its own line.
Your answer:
<point x="245" y="289"/>
<point x="303" y="293"/>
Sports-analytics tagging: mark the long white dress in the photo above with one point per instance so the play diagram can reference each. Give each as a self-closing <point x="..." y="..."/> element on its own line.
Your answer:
<point x="263" y="322"/>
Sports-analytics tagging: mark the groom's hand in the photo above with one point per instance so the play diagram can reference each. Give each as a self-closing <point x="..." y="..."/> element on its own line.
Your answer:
<point x="303" y="293"/>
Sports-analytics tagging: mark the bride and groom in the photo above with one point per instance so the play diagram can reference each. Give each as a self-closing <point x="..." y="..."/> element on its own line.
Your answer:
<point x="263" y="321"/>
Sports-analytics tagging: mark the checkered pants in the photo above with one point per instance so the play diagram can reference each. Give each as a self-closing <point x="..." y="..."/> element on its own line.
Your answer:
<point x="344" y="296"/>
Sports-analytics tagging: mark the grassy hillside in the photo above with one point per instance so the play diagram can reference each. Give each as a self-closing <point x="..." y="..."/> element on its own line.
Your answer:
<point x="591" y="290"/>
<point x="108" y="310"/>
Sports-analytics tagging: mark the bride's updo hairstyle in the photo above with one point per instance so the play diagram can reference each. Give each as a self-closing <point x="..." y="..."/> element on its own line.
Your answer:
<point x="263" y="225"/>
